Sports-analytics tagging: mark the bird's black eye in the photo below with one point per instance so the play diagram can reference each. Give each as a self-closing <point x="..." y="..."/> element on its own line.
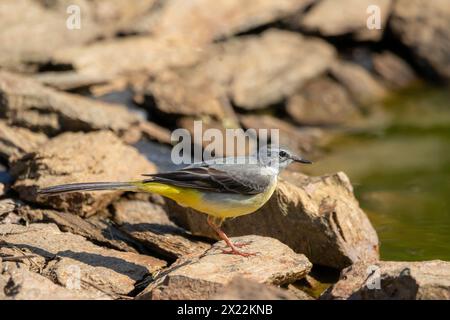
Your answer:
<point x="283" y="154"/>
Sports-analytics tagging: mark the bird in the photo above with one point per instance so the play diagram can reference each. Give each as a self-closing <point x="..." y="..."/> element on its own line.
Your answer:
<point x="221" y="188"/>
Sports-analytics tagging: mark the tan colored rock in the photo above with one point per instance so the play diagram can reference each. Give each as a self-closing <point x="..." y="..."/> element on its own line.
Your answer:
<point x="321" y="102"/>
<point x="394" y="71"/>
<point x="62" y="256"/>
<point x="16" y="141"/>
<point x="332" y="18"/>
<point x="21" y="284"/>
<point x="241" y="288"/>
<point x="8" y="205"/>
<point x="78" y="157"/>
<point x="253" y="72"/>
<point x="148" y="223"/>
<point x="424" y="27"/>
<point x="387" y="280"/>
<point x="109" y="59"/>
<point x="30" y="31"/>
<point x="155" y="132"/>
<point x="95" y="229"/>
<point x="319" y="217"/>
<point x="202" y="21"/>
<point x="202" y="277"/>
<point x="302" y="141"/>
<point x="25" y="102"/>
<point x="363" y="87"/>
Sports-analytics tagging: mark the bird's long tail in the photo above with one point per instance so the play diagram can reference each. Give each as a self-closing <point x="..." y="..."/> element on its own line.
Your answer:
<point x="89" y="186"/>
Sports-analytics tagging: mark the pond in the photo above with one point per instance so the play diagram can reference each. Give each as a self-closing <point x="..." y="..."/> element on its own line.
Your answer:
<point x="400" y="168"/>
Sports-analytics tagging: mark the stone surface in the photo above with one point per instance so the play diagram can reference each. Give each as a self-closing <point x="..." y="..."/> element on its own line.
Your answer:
<point x="241" y="288"/>
<point x="148" y="223"/>
<point x="202" y="21"/>
<point x="363" y="87"/>
<point x="59" y="256"/>
<point x="78" y="157"/>
<point x="95" y="229"/>
<point x="22" y="284"/>
<point x="201" y="277"/>
<point x="30" y="31"/>
<point x="253" y="72"/>
<point x="302" y="141"/>
<point x="424" y="28"/>
<point x="394" y="71"/>
<point x="332" y="18"/>
<point x="16" y="141"/>
<point x="319" y="217"/>
<point x="321" y="102"/>
<point x="426" y="280"/>
<point x="25" y="102"/>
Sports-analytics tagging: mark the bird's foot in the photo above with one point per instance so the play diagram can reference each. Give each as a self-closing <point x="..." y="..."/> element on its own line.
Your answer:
<point x="242" y="244"/>
<point x="239" y="253"/>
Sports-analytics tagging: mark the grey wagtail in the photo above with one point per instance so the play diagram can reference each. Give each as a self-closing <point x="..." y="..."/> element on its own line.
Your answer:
<point x="221" y="188"/>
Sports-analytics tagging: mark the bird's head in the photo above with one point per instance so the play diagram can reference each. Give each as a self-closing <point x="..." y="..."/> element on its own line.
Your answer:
<point x="279" y="158"/>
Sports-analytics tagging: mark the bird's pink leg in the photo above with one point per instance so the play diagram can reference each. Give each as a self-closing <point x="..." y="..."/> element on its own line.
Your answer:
<point x="224" y="237"/>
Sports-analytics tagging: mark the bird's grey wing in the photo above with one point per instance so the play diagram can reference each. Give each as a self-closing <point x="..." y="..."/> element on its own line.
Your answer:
<point x="232" y="178"/>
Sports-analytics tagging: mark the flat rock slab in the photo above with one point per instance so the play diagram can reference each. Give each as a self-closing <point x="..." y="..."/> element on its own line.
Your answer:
<point x="30" y="31"/>
<point x="78" y="157"/>
<point x="425" y="280"/>
<point x="319" y="217"/>
<point x="96" y="228"/>
<point x="332" y="18"/>
<point x="202" y="21"/>
<point x="201" y="277"/>
<point x="16" y="141"/>
<point x="241" y="288"/>
<point x="22" y="284"/>
<point x="61" y="256"/>
<point x="27" y="103"/>
<point x="148" y="224"/>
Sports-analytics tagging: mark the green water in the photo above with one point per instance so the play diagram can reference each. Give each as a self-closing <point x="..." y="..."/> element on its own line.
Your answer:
<point x="399" y="163"/>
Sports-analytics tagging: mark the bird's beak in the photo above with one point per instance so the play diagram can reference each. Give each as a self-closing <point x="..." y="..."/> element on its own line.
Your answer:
<point x="301" y="160"/>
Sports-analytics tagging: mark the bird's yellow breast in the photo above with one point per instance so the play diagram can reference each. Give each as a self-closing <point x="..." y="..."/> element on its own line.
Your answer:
<point x="221" y="205"/>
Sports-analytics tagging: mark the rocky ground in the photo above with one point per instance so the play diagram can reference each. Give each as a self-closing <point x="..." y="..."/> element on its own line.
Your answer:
<point x="74" y="104"/>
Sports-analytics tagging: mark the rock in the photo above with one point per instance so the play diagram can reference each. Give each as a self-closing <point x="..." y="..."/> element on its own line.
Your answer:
<point x="363" y="87"/>
<point x="395" y="72"/>
<point x="424" y="28"/>
<point x="321" y="102"/>
<point x="78" y="157"/>
<point x="30" y="31"/>
<point x="16" y="141"/>
<point x="7" y="211"/>
<point x="241" y="288"/>
<point x="153" y="131"/>
<point x="21" y="284"/>
<point x="9" y="205"/>
<point x="95" y="229"/>
<point x="319" y="217"/>
<point x="59" y="255"/>
<point x="302" y="141"/>
<point x="346" y="17"/>
<point x="25" y="102"/>
<point x="202" y="21"/>
<point x="149" y="224"/>
<point x="131" y="55"/>
<point x="2" y="189"/>
<point x="233" y="135"/>
<point x="201" y="277"/>
<point x="425" y="280"/>
<point x="253" y="72"/>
